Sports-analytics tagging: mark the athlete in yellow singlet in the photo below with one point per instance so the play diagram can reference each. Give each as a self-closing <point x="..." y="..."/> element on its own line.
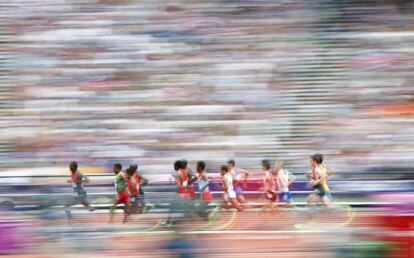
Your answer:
<point x="319" y="179"/>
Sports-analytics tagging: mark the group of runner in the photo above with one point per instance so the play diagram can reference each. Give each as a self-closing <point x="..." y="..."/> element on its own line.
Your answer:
<point x="276" y="182"/>
<point x="128" y="186"/>
<point x="129" y="190"/>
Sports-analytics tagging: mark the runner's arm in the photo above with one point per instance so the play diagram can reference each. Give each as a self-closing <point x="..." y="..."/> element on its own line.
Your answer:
<point x="225" y="187"/>
<point x="192" y="178"/>
<point x="178" y="177"/>
<point x="291" y="177"/>
<point x="144" y="181"/>
<point x="190" y="172"/>
<point x="245" y="172"/>
<point x="85" y="179"/>
<point x="318" y="180"/>
<point x="264" y="186"/>
<point x="329" y="173"/>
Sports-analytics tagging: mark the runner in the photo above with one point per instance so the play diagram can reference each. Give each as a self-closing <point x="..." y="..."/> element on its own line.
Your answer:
<point x="180" y="191"/>
<point x="203" y="183"/>
<point x="229" y="193"/>
<point x="318" y="180"/>
<point x="203" y="187"/>
<point x="239" y="175"/>
<point x="268" y="186"/>
<point x="191" y="180"/>
<point x="184" y="203"/>
<point x="77" y="179"/>
<point x="133" y="188"/>
<point x="141" y="181"/>
<point x="177" y="166"/>
<point x="284" y="179"/>
<point x="183" y="179"/>
<point x="121" y="190"/>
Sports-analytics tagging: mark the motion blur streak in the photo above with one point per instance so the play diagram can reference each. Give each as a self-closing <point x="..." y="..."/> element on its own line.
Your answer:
<point x="152" y="81"/>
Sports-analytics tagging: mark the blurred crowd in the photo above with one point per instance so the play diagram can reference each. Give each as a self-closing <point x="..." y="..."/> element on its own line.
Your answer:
<point x="149" y="81"/>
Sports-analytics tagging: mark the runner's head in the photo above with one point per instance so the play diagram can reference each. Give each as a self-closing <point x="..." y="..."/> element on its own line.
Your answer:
<point x="177" y="165"/>
<point x="231" y="164"/>
<point x="266" y="165"/>
<point x="316" y="160"/>
<point x="223" y="170"/>
<point x="184" y="164"/>
<point x="130" y="172"/>
<point x="278" y="165"/>
<point x="133" y="167"/>
<point x="201" y="166"/>
<point x="73" y="166"/>
<point x="117" y="168"/>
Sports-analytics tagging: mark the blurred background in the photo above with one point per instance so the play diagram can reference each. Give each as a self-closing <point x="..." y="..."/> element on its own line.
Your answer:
<point x="152" y="81"/>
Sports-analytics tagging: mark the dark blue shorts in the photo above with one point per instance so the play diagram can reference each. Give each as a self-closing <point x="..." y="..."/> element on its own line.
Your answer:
<point x="238" y="190"/>
<point x="285" y="197"/>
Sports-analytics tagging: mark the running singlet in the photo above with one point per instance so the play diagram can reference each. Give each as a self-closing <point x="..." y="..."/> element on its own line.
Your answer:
<point x="269" y="186"/>
<point x="132" y="190"/>
<point x="120" y="185"/>
<point x="205" y="193"/>
<point x="324" y="174"/>
<point x="183" y="180"/>
<point x="283" y="180"/>
<point x="234" y="172"/>
<point x="268" y="182"/>
<point x="183" y="183"/>
<point x="230" y="193"/>
<point x="77" y="183"/>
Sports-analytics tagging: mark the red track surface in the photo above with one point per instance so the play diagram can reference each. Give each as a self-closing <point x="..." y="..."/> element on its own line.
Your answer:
<point x="233" y="234"/>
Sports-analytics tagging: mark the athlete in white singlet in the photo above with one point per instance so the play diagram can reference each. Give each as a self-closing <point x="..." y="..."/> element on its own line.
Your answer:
<point x="229" y="193"/>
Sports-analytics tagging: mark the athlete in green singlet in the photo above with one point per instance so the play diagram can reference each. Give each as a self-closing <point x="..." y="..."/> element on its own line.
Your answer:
<point x="122" y="197"/>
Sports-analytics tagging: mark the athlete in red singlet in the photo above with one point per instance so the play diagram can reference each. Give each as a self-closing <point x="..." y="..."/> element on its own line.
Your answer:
<point x="268" y="186"/>
<point x="133" y="188"/>
<point x="141" y="181"/>
<point x="184" y="180"/>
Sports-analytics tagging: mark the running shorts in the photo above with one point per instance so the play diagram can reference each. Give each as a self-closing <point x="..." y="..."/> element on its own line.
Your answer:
<point x="206" y="196"/>
<point x="238" y="190"/>
<point x="123" y="197"/>
<point x="271" y="195"/>
<point x="285" y="197"/>
<point x="229" y="195"/>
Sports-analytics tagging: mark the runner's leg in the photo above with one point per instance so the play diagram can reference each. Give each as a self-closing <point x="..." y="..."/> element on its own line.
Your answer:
<point x="112" y="209"/>
<point x="235" y="204"/>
